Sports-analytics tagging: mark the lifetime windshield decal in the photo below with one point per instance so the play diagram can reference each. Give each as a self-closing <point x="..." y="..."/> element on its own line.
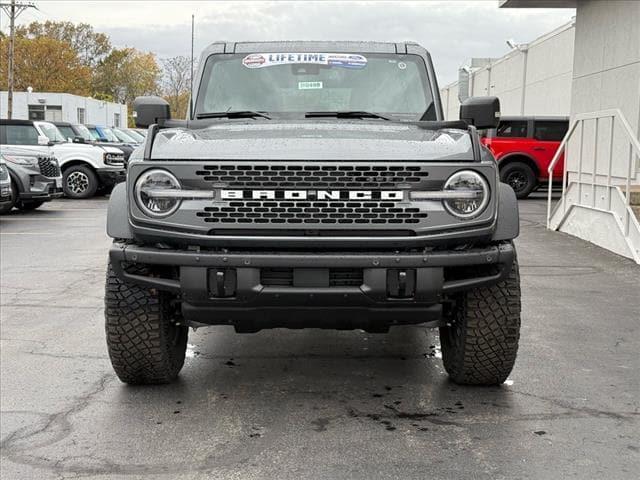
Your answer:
<point x="344" y="60"/>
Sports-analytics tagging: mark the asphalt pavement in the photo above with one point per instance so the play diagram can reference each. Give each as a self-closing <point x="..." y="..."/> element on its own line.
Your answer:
<point x="284" y="404"/>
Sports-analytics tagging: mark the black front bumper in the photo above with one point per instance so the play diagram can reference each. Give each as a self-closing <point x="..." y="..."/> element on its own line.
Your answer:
<point x="221" y="288"/>
<point x="52" y="193"/>
<point x="110" y="177"/>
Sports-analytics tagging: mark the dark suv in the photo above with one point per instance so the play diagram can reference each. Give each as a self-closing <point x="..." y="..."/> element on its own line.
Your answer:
<point x="33" y="177"/>
<point x="315" y="185"/>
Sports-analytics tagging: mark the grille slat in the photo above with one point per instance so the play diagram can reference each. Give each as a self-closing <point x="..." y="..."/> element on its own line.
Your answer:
<point x="311" y="176"/>
<point x="304" y="211"/>
<point x="47" y="167"/>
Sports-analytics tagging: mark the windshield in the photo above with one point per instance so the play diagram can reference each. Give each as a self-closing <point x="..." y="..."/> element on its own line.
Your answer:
<point x="109" y="135"/>
<point x="388" y="84"/>
<point x="135" y="135"/>
<point x="52" y="132"/>
<point x="122" y="136"/>
<point x="84" y="132"/>
<point x="67" y="131"/>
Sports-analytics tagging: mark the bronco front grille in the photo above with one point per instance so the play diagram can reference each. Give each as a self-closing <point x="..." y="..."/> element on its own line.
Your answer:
<point x="312" y="176"/>
<point x="311" y="212"/>
<point x="48" y="167"/>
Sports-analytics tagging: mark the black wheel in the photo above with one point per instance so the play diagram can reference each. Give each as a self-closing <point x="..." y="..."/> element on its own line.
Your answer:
<point x="79" y="181"/>
<point x="481" y="345"/>
<point x="32" y="205"/>
<point x="520" y="177"/>
<point x="145" y="345"/>
<point x="6" y="208"/>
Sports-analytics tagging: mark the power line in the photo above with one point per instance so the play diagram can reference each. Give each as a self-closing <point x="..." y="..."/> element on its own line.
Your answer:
<point x="13" y="11"/>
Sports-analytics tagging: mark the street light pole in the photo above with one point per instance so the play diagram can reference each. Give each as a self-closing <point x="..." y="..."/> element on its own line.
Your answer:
<point x="13" y="9"/>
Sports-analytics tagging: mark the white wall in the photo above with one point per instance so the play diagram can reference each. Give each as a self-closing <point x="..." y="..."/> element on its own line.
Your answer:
<point x="96" y="111"/>
<point x="606" y="75"/>
<point x="548" y="61"/>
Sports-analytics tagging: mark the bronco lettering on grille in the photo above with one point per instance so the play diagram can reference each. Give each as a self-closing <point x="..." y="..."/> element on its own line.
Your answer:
<point x="312" y="195"/>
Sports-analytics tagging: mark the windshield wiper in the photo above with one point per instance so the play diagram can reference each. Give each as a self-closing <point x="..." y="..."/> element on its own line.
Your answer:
<point x="234" y="114"/>
<point x="346" y="114"/>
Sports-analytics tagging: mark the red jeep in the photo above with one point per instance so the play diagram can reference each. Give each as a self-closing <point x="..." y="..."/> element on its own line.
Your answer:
<point x="524" y="148"/>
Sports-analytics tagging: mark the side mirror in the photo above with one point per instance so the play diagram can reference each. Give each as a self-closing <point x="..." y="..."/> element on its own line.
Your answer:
<point x="481" y="112"/>
<point x="149" y="110"/>
<point x="78" y="140"/>
<point x="43" y="140"/>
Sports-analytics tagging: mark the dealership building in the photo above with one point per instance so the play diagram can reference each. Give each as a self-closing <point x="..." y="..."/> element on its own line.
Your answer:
<point x="64" y="107"/>
<point x="588" y="69"/>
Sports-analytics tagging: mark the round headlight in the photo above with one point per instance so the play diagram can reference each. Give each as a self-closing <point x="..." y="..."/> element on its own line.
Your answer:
<point x="474" y="194"/>
<point x="151" y="192"/>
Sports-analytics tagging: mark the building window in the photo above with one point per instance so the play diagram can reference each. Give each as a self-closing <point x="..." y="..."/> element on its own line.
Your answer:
<point x="81" y="116"/>
<point x="116" y="119"/>
<point x="36" y="112"/>
<point x="53" y="113"/>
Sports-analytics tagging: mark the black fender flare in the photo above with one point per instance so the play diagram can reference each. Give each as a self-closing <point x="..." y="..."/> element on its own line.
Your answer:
<point x="508" y="222"/>
<point x="118" y="214"/>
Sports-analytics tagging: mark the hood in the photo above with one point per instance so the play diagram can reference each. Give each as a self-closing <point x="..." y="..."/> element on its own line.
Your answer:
<point x="338" y="140"/>
<point x="28" y="152"/>
<point x="89" y="148"/>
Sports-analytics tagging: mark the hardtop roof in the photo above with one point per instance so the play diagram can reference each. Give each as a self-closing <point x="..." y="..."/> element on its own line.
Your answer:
<point x="308" y="46"/>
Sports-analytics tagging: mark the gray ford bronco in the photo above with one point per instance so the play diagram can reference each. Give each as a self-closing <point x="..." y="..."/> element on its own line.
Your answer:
<point x="313" y="185"/>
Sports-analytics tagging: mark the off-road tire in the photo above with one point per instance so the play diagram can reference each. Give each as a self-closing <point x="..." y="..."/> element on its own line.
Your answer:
<point x="79" y="181"/>
<point x="481" y="345"/>
<point x="29" y="205"/>
<point x="145" y="346"/>
<point x="520" y="177"/>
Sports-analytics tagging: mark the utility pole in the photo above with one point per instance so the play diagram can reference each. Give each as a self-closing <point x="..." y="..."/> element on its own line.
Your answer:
<point x="13" y="10"/>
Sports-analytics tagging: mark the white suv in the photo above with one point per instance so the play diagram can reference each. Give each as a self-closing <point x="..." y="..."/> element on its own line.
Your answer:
<point x="86" y="169"/>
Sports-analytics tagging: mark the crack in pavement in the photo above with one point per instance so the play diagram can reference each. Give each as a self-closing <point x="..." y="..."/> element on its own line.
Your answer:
<point x="591" y="412"/>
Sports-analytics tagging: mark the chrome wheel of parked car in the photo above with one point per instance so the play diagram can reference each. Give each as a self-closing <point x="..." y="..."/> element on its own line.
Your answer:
<point x="79" y="181"/>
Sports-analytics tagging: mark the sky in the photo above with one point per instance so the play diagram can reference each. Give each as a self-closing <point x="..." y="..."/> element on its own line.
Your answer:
<point x="453" y="31"/>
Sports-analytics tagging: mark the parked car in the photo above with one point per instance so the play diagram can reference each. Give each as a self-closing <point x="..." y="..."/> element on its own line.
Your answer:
<point x="134" y="134"/>
<point x="125" y="137"/>
<point x="86" y="168"/>
<point x="34" y="177"/>
<point x="140" y="131"/>
<point x="80" y="134"/>
<point x="74" y="132"/>
<point x="6" y="197"/>
<point x="106" y="136"/>
<point x="524" y="148"/>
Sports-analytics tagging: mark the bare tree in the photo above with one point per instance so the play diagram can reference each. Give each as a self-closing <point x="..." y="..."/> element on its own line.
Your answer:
<point x="176" y="83"/>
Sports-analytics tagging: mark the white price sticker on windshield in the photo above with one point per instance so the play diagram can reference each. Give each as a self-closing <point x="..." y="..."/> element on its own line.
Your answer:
<point x="309" y="85"/>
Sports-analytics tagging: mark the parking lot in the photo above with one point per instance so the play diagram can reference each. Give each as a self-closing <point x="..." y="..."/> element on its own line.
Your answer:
<point x="315" y="404"/>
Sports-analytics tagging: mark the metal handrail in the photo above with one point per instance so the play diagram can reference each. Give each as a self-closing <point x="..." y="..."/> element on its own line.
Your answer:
<point x="579" y="119"/>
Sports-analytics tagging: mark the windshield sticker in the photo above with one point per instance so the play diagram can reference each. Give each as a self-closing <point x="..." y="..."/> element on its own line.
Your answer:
<point x="402" y="65"/>
<point x="309" y="85"/>
<point x="343" y="60"/>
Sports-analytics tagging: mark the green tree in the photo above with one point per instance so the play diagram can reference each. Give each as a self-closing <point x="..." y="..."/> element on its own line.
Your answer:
<point x="46" y="64"/>
<point x="91" y="46"/>
<point x="127" y="73"/>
